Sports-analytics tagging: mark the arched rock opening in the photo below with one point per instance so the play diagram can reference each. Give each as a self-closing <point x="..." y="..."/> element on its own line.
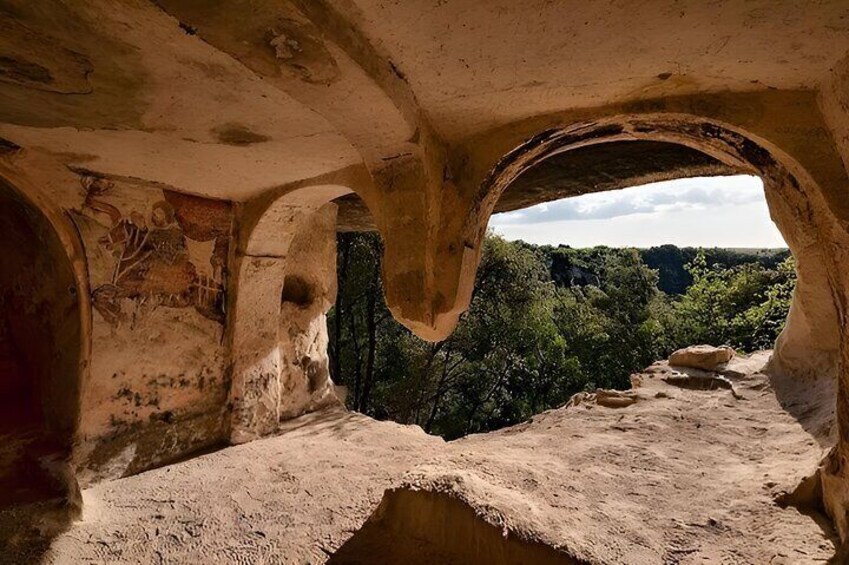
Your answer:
<point x="621" y="151"/>
<point x="607" y="166"/>
<point x="40" y="355"/>
<point x="660" y="147"/>
<point x="596" y="168"/>
<point x="812" y="349"/>
<point x="286" y="283"/>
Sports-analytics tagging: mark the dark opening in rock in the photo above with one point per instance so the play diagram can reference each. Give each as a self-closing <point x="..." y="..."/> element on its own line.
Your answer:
<point x="39" y="354"/>
<point x="297" y="291"/>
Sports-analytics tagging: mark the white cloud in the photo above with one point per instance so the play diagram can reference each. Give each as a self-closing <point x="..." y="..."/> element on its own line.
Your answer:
<point x="705" y="211"/>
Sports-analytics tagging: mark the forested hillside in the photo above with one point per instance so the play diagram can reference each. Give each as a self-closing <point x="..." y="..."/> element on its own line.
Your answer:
<point x="671" y="262"/>
<point x="544" y="323"/>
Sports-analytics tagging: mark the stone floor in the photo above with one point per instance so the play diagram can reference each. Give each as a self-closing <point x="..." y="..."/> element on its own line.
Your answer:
<point x="669" y="475"/>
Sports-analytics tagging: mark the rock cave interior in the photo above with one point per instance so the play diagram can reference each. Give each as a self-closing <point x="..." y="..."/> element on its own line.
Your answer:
<point x="173" y="177"/>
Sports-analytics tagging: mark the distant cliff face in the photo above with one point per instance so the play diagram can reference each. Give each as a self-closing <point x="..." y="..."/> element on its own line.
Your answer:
<point x="565" y="274"/>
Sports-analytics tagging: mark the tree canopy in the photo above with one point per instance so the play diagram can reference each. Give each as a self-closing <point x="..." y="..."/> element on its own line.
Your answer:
<point x="544" y="323"/>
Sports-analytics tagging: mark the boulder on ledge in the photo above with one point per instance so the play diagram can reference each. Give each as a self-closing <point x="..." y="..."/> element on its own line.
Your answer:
<point x="705" y="357"/>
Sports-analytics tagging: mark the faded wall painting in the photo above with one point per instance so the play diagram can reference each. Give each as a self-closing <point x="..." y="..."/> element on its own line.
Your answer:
<point x="152" y="259"/>
<point x="158" y="268"/>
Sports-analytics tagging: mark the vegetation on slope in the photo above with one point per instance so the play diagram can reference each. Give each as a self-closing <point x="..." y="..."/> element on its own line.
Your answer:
<point x="545" y="323"/>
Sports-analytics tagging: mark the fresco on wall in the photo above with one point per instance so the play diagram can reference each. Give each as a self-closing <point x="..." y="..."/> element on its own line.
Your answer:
<point x="151" y="250"/>
<point x="157" y="264"/>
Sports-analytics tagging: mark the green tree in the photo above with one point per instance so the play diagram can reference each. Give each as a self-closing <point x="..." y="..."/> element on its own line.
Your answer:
<point x="608" y="328"/>
<point x="744" y="306"/>
<point x="543" y="324"/>
<point x="510" y="354"/>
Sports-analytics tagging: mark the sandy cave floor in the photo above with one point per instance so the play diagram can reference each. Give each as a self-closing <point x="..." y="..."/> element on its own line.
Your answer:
<point x="677" y="477"/>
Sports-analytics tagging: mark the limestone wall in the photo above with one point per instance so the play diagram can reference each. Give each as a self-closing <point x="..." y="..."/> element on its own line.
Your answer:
<point x="157" y="266"/>
<point x="309" y="290"/>
<point x="286" y="283"/>
<point x="154" y="383"/>
<point x="834" y="103"/>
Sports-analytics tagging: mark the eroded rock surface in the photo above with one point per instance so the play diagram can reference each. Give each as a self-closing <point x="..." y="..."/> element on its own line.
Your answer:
<point x="678" y="476"/>
<point x="178" y="152"/>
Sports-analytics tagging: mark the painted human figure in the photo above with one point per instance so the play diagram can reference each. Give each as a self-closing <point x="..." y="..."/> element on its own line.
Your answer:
<point x="152" y="264"/>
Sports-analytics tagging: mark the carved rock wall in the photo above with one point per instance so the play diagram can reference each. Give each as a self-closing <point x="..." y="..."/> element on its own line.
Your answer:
<point x="834" y="475"/>
<point x="153" y="383"/>
<point x="309" y="290"/>
<point x="114" y="110"/>
<point x="286" y="283"/>
<point x="157" y="266"/>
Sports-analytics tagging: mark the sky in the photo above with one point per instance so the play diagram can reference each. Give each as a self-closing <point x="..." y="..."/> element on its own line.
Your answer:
<point x="700" y="212"/>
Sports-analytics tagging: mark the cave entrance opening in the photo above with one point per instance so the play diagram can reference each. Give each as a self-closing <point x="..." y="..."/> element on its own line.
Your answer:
<point x="40" y="346"/>
<point x="546" y="321"/>
<point x="642" y="270"/>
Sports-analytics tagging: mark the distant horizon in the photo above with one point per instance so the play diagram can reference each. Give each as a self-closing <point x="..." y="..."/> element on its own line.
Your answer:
<point x="726" y="212"/>
<point x="734" y="248"/>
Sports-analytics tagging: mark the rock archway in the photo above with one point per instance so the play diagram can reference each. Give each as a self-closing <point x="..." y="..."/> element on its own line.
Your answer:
<point x="42" y="354"/>
<point x="809" y="345"/>
<point x="503" y="170"/>
<point x="812" y="346"/>
<point x="286" y="283"/>
<point x="768" y="136"/>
